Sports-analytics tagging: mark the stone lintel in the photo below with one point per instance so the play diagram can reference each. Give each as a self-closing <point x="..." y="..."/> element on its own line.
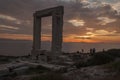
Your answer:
<point x="48" y="12"/>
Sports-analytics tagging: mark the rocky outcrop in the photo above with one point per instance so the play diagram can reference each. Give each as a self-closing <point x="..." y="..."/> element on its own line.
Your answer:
<point x="90" y="73"/>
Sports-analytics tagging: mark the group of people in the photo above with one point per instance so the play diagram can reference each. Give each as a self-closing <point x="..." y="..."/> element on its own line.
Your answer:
<point x="92" y="50"/>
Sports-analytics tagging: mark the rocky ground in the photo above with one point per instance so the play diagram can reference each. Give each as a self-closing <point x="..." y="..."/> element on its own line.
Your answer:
<point x="100" y="67"/>
<point x="86" y="73"/>
<point x="109" y="71"/>
<point x="90" y="73"/>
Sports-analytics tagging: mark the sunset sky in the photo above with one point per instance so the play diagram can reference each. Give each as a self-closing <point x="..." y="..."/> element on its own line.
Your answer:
<point x="84" y="20"/>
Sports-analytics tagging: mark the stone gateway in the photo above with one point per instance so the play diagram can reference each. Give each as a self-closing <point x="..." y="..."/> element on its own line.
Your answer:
<point x="57" y="29"/>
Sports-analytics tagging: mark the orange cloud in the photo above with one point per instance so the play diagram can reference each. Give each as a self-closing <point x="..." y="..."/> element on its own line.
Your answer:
<point x="80" y="40"/>
<point x="22" y="37"/>
<point x="16" y="36"/>
<point x="69" y="38"/>
<point x="77" y="38"/>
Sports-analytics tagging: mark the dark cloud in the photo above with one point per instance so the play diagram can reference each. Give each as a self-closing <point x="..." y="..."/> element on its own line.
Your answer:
<point x="110" y="35"/>
<point x="23" y="10"/>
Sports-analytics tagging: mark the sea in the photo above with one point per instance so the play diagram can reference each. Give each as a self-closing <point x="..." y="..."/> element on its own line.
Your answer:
<point x="24" y="47"/>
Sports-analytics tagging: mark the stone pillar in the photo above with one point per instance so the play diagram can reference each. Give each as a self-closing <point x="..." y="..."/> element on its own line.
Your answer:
<point x="37" y="33"/>
<point x="57" y="29"/>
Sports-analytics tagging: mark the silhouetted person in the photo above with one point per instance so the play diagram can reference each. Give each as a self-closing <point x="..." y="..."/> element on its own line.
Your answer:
<point x="91" y="51"/>
<point x="103" y="50"/>
<point x="94" y="50"/>
<point x="82" y="50"/>
<point x="78" y="52"/>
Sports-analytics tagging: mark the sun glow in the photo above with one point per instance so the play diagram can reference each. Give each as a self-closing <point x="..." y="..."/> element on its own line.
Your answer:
<point x="70" y="38"/>
<point x="83" y="37"/>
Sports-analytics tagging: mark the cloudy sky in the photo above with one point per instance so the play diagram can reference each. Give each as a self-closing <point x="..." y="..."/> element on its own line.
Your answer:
<point x="84" y="20"/>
